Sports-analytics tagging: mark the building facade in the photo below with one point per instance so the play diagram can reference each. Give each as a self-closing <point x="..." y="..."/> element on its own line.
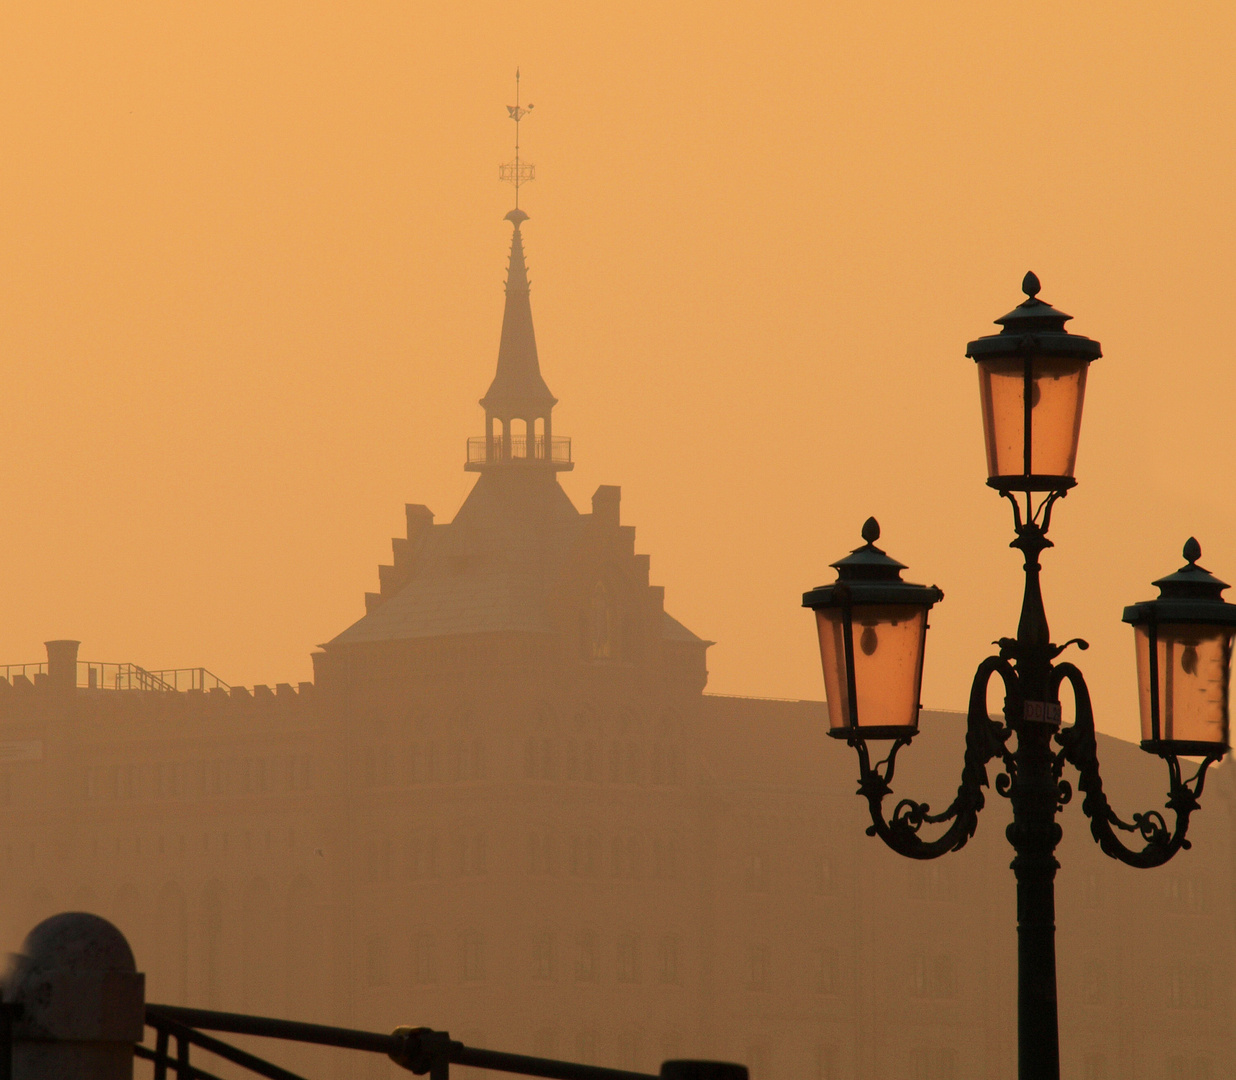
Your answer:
<point x="507" y="807"/>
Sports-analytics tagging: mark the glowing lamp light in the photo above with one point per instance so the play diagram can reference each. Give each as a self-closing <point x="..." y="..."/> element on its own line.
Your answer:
<point x="1184" y="661"/>
<point x="1032" y="382"/>
<point x="873" y="630"/>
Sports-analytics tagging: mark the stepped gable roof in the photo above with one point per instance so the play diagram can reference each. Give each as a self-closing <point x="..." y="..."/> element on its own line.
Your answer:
<point x="491" y="570"/>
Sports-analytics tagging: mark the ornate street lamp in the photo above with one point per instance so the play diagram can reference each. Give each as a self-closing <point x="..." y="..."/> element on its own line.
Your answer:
<point x="872" y="629"/>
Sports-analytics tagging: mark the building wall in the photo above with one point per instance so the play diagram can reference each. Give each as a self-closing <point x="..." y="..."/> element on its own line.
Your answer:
<point x="594" y="868"/>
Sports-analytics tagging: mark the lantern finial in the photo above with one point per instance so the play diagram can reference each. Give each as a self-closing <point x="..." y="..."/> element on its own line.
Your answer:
<point x="871" y="530"/>
<point x="1192" y="550"/>
<point x="1030" y="284"/>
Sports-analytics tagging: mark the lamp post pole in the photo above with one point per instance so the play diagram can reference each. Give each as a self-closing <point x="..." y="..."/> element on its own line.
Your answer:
<point x="872" y="631"/>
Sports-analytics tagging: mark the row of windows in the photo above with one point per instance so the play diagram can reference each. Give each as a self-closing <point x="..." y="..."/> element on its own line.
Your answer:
<point x="425" y="762"/>
<point x="621" y="761"/>
<point x="198" y="779"/>
<point x="1095" y="1066"/>
<point x="759" y="874"/>
<point x="66" y="848"/>
<point x="632" y="958"/>
<point x="586" y="958"/>
<point x="823" y="972"/>
<point x="581" y="855"/>
<point x="1190" y="985"/>
<point x="1185" y="894"/>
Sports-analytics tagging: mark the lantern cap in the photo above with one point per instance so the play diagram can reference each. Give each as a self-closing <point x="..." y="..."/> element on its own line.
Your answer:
<point x="868" y="576"/>
<point x="1191" y="595"/>
<point x="868" y="563"/>
<point x="1033" y="325"/>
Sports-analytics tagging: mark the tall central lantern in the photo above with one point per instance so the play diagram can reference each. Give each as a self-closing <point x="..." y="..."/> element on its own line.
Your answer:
<point x="1032" y="380"/>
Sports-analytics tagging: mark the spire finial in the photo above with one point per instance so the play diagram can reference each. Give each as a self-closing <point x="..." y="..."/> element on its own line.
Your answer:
<point x="517" y="172"/>
<point x="1030" y="284"/>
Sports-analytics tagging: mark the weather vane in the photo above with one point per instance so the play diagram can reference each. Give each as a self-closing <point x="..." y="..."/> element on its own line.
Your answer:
<point x="517" y="173"/>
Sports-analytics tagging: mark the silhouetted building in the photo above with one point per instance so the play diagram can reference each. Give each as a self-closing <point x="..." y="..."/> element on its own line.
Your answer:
<point x="505" y="806"/>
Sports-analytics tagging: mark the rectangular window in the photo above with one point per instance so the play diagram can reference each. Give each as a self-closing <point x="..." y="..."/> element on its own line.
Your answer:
<point x="424" y="960"/>
<point x="759" y="1060"/>
<point x="935" y="1063"/>
<point x="825" y="973"/>
<point x="756" y="875"/>
<point x="542" y="853"/>
<point x="826" y="1062"/>
<point x="665" y="855"/>
<point x="1094" y="1067"/>
<point x="585" y="855"/>
<point x="667" y="959"/>
<point x="423" y="858"/>
<point x="472" y="957"/>
<point x="626" y="968"/>
<point x="757" y="967"/>
<point x="543" y="956"/>
<point x="586" y="960"/>
<point x="823" y="876"/>
<point x="377" y="967"/>
<point x="586" y="1047"/>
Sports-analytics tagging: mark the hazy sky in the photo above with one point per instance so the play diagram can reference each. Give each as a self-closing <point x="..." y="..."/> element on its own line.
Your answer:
<point x="253" y="257"/>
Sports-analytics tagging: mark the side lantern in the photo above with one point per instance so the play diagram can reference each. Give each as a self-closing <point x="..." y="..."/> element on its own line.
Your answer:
<point x="1184" y="661"/>
<point x="873" y="629"/>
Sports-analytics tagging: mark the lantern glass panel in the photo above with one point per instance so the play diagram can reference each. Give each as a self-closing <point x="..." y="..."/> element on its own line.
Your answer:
<point x="1058" y="388"/>
<point x="888" y="664"/>
<point x="1194" y="672"/>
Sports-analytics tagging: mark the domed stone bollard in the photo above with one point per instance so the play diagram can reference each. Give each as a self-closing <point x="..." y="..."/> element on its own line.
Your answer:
<point x="81" y="1001"/>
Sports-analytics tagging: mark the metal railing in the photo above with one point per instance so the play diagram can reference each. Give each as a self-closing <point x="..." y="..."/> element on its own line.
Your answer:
<point x="483" y="451"/>
<point x="419" y="1050"/>
<point x="98" y="675"/>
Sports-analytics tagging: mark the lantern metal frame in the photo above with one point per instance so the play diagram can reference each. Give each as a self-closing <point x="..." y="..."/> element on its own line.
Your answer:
<point x="1031" y="772"/>
<point x="868" y="578"/>
<point x="1032" y="331"/>
<point x="1189" y="597"/>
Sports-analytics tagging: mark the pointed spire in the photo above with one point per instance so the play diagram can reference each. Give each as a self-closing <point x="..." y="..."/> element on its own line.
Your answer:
<point x="518" y="386"/>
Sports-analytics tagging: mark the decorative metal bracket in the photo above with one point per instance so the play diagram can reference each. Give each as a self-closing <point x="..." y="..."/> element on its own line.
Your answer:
<point x="985" y="740"/>
<point x="1078" y="747"/>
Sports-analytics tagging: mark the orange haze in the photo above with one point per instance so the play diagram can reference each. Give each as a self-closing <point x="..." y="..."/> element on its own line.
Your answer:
<point x="253" y="259"/>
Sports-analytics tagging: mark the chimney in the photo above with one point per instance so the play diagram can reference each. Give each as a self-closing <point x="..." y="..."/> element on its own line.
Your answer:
<point x="605" y="506"/>
<point x="420" y="518"/>
<point x="62" y="664"/>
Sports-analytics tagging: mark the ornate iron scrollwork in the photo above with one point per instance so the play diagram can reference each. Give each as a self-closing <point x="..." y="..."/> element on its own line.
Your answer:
<point x="985" y="739"/>
<point x="1078" y="747"/>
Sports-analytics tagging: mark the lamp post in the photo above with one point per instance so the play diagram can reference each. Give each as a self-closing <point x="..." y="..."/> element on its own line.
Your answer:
<point x="872" y="631"/>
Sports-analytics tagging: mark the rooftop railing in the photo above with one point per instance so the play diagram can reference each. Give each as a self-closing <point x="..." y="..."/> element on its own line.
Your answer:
<point x="483" y="451"/>
<point x="98" y="675"/>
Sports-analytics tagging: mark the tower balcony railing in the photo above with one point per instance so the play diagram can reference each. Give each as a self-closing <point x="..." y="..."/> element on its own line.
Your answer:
<point x="484" y="451"/>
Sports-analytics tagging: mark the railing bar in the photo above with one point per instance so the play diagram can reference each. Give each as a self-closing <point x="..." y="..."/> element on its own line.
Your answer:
<point x="531" y="1066"/>
<point x="186" y="1035"/>
<point x="270" y="1028"/>
<point x="376" y="1042"/>
<point x="160" y="1055"/>
<point x="147" y="1054"/>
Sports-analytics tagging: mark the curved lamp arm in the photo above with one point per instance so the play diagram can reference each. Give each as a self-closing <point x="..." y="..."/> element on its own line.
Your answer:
<point x="1079" y="749"/>
<point x="984" y="740"/>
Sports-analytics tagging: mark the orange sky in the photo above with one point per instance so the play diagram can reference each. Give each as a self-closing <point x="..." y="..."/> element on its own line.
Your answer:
<point x="253" y="258"/>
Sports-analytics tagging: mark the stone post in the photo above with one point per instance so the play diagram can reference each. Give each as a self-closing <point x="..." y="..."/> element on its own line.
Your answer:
<point x="82" y="1001"/>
